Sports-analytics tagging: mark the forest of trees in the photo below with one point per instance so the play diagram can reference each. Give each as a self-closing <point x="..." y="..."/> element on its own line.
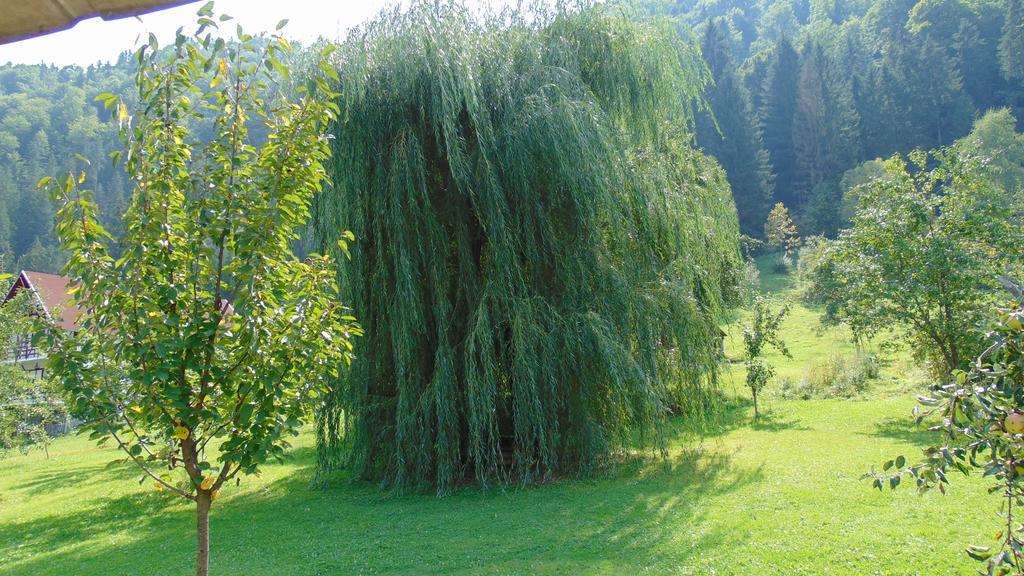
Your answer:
<point x="809" y="89"/>
<point x="804" y="92"/>
<point x="48" y="116"/>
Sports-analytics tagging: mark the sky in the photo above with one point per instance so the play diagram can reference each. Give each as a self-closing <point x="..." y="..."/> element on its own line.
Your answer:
<point x="96" y="40"/>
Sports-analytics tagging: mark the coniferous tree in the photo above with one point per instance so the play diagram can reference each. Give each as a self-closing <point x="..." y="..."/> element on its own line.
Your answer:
<point x="34" y="218"/>
<point x="935" y="98"/>
<point x="810" y="133"/>
<point x="826" y="134"/>
<point x="779" y="107"/>
<point x="880" y="111"/>
<point x="729" y="131"/>
<point x="1011" y="43"/>
<point x="841" y="76"/>
<point x="977" y="60"/>
<point x="5" y="231"/>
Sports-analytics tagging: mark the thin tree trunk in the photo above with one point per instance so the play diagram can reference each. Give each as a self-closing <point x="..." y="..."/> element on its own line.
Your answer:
<point x="754" y="394"/>
<point x="202" y="533"/>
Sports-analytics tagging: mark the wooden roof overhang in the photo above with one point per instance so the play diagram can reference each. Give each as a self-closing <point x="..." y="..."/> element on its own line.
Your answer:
<point x="26" y="18"/>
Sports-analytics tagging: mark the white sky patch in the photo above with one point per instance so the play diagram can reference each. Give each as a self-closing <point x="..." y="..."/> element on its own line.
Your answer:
<point x="96" y="40"/>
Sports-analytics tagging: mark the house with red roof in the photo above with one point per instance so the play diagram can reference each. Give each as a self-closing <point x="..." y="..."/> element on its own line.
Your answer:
<point x="49" y="293"/>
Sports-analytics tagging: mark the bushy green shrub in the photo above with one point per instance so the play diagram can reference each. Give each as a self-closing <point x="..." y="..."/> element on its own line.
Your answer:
<point x="808" y="259"/>
<point x="783" y="264"/>
<point x="836" y="377"/>
<point x="750" y="282"/>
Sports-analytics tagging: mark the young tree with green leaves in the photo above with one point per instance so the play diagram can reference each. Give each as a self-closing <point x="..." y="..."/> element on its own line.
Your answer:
<point x="922" y="256"/>
<point x="980" y="414"/>
<point x="763" y="331"/>
<point x="542" y="257"/>
<point x="781" y="234"/>
<point x="199" y="349"/>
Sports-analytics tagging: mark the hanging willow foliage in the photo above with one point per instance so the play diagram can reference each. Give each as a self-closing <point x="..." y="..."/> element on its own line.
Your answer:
<point x="540" y="255"/>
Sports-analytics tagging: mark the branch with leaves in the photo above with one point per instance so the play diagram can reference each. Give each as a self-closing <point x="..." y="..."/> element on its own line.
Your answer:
<point x="980" y="414"/>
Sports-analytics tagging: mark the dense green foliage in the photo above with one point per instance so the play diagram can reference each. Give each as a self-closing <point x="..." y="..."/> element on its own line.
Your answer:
<point x="47" y="115"/>
<point x="185" y="353"/>
<point x="982" y="427"/>
<point x="804" y="90"/>
<point x="838" y="82"/>
<point x="541" y="257"/>
<point x="729" y="131"/>
<point x="923" y="255"/>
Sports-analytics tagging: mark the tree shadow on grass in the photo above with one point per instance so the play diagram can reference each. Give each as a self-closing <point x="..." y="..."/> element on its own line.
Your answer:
<point x="905" y="430"/>
<point x="624" y="522"/>
<point x="59" y="478"/>
<point x="732" y="415"/>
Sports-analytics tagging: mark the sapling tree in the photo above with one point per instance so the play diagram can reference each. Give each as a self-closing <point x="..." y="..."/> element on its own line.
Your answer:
<point x="780" y="233"/>
<point x="199" y="348"/>
<point x="763" y="332"/>
<point x="980" y="413"/>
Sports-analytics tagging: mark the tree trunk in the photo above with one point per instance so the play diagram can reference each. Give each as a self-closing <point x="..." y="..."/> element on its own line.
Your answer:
<point x="202" y="533"/>
<point x="754" y="394"/>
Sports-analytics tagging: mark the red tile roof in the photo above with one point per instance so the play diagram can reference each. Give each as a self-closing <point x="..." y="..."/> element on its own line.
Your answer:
<point x="51" y="291"/>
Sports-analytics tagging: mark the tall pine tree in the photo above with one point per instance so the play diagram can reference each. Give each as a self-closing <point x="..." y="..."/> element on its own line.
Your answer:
<point x="34" y="220"/>
<point x="1011" y="43"/>
<point x="810" y="131"/>
<point x="729" y="131"/>
<point x="778" y="109"/>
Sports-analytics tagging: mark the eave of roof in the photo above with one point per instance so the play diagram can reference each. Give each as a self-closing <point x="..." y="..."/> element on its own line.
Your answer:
<point x="51" y="294"/>
<point x="26" y="18"/>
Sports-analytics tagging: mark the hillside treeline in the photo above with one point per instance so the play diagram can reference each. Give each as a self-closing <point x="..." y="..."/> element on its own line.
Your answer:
<point x="805" y="91"/>
<point x="809" y="89"/>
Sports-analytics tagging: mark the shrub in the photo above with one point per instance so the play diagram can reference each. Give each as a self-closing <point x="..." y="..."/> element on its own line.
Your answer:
<point x="750" y="283"/>
<point x="922" y="259"/>
<point x="836" y="377"/>
<point x="809" y="258"/>
<point x="783" y="264"/>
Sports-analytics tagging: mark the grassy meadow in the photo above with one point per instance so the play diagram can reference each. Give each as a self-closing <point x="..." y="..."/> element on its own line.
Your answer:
<point x="781" y="495"/>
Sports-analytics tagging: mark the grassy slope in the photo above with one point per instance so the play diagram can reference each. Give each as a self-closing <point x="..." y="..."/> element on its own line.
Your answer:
<point x="811" y="343"/>
<point x="779" y="497"/>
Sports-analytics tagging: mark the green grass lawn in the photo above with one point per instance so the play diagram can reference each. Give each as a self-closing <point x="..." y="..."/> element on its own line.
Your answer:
<point x="780" y="496"/>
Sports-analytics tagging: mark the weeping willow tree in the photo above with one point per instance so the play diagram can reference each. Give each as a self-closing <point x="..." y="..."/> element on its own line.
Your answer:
<point x="540" y="256"/>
